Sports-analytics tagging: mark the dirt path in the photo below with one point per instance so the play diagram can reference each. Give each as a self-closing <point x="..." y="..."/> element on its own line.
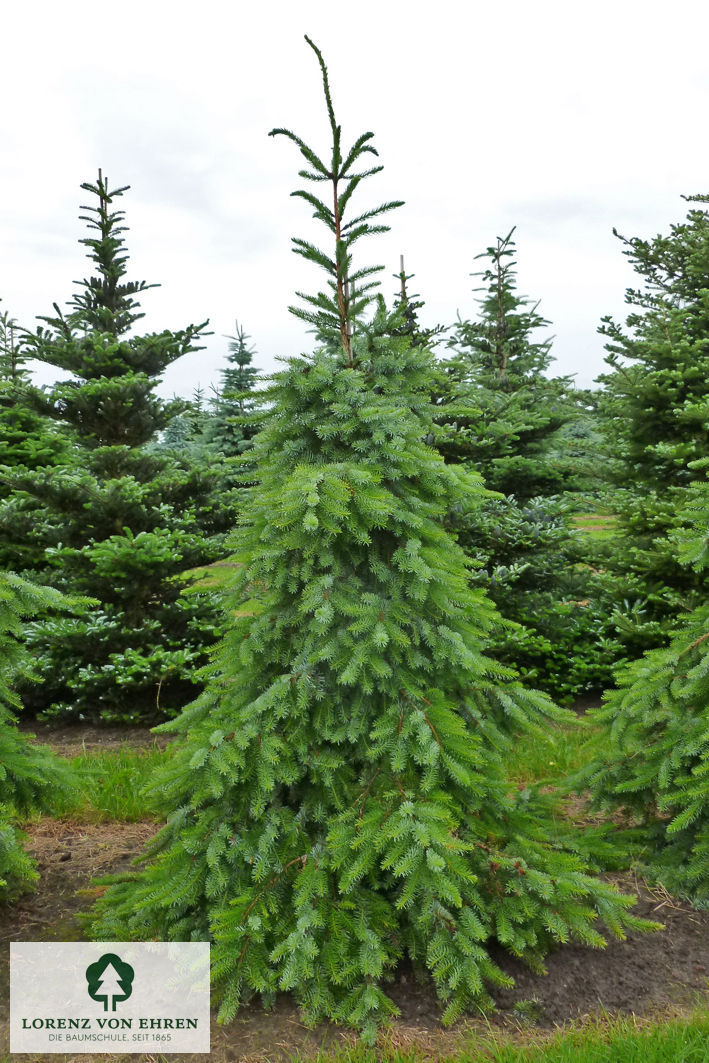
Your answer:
<point x="643" y="975"/>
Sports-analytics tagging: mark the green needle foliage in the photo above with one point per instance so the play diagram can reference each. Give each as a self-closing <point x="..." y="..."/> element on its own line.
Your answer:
<point x="30" y="776"/>
<point x="29" y="442"/>
<point x="334" y="313"/>
<point x="340" y="800"/>
<point x="656" y="406"/>
<point x="123" y="521"/>
<point x="657" y="721"/>
<point x="498" y="412"/>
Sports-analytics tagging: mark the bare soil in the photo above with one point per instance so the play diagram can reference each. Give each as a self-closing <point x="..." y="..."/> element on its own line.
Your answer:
<point x="72" y="741"/>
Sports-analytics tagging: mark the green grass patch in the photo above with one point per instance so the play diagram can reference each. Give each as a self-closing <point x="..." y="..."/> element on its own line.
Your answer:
<point x="209" y="577"/>
<point x="597" y="525"/>
<point x="550" y="758"/>
<point x="619" y="1041"/>
<point x="110" y="785"/>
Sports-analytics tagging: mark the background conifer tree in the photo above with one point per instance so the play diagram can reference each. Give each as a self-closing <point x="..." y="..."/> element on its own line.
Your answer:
<point x="216" y="433"/>
<point x="235" y="407"/>
<point x="656" y="406"/>
<point x="30" y="776"/>
<point x="500" y="414"/>
<point x="186" y="432"/>
<point x="27" y="441"/>
<point x="502" y="411"/>
<point x="656" y="750"/>
<point x="408" y="306"/>
<point x="236" y="414"/>
<point x="340" y="801"/>
<point x="124" y="520"/>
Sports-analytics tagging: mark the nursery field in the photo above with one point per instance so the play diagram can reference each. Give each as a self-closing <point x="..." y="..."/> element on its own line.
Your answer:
<point x="643" y="998"/>
<point x="370" y="603"/>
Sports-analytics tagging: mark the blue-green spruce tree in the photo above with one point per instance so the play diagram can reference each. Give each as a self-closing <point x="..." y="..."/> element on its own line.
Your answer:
<point x="339" y="801"/>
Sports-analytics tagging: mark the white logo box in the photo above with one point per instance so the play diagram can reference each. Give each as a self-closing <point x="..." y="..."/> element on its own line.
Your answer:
<point x="122" y="997"/>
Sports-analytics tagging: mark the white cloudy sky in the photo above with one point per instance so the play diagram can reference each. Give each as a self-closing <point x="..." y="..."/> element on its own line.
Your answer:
<point x="562" y="119"/>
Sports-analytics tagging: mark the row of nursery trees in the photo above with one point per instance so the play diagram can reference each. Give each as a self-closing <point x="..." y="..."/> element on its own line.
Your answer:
<point x="404" y="572"/>
<point x="111" y="493"/>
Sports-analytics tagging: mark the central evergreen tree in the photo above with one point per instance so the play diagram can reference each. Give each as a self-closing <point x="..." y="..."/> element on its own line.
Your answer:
<point x="340" y="800"/>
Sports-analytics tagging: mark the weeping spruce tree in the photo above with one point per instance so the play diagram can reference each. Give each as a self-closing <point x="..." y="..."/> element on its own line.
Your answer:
<point x="340" y="802"/>
<point x="30" y="775"/>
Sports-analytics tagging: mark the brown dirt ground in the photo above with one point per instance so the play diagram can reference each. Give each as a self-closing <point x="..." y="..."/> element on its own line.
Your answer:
<point x="71" y="741"/>
<point x="645" y="975"/>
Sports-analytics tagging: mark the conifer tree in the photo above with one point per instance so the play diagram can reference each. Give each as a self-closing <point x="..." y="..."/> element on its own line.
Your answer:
<point x="27" y="441"/>
<point x="124" y="520"/>
<point x="500" y="414"/>
<point x="186" y="432"/>
<point x="502" y="411"/>
<point x="216" y="434"/>
<point x="656" y="408"/>
<point x="236" y="413"/>
<point x="656" y="723"/>
<point x="30" y="776"/>
<point x="408" y="306"/>
<point x="340" y="800"/>
<point x="235" y="408"/>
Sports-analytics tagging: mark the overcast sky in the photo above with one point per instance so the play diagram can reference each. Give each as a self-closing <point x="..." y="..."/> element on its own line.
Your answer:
<point x="562" y="119"/>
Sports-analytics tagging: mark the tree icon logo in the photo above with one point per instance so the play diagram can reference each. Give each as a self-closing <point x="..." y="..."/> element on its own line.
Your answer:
<point x="110" y="980"/>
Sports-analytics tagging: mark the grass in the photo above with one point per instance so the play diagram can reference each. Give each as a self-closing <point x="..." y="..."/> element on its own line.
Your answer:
<point x="209" y="577"/>
<point x="598" y="525"/>
<point x="618" y="1041"/>
<point x="111" y="785"/>
<point x="558" y="753"/>
<point x="623" y="1040"/>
